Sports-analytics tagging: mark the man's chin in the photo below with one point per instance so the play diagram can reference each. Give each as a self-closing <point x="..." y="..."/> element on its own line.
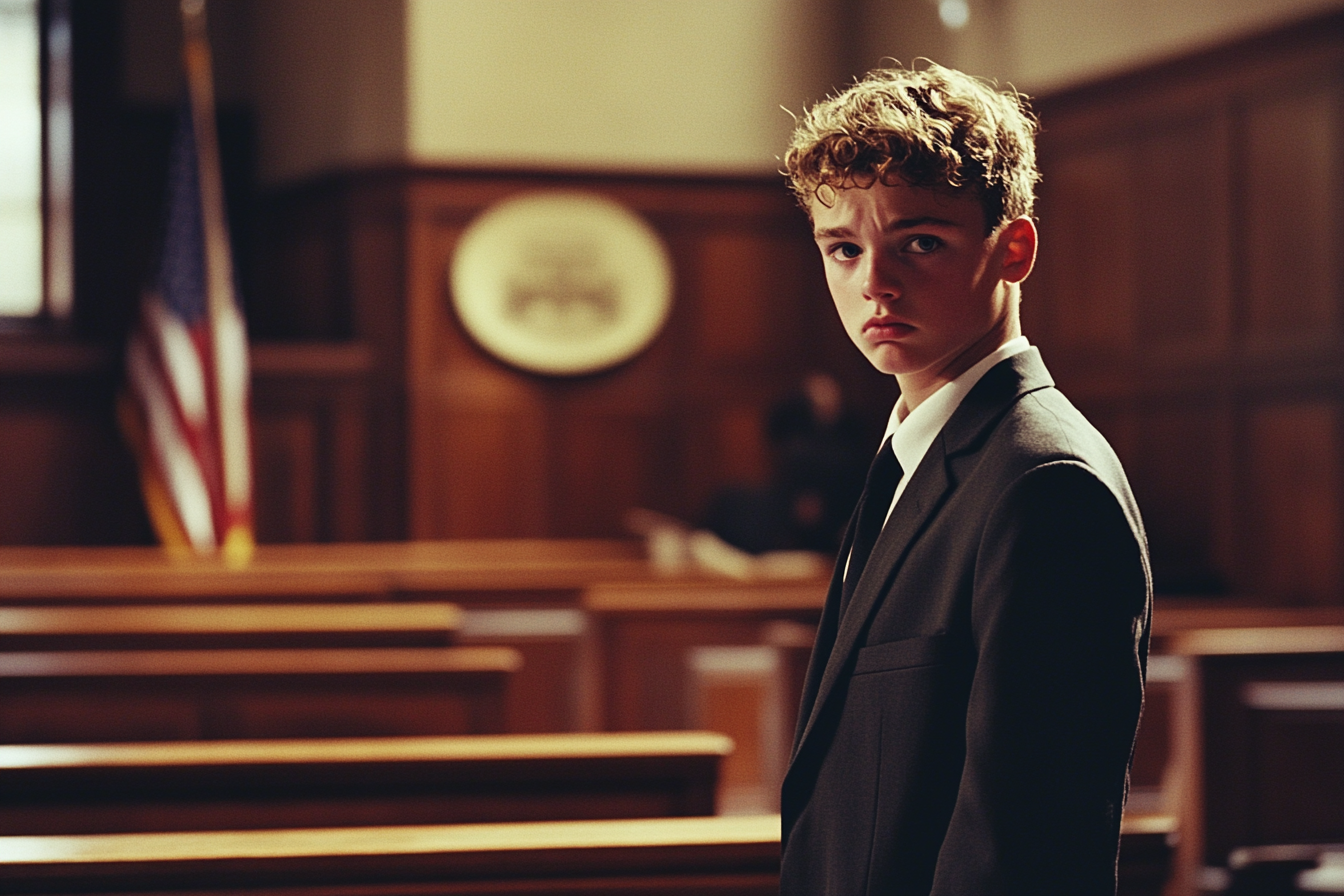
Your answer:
<point x="891" y="361"/>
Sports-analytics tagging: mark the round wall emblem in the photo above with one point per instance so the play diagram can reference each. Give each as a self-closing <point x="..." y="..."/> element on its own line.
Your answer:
<point x="561" y="282"/>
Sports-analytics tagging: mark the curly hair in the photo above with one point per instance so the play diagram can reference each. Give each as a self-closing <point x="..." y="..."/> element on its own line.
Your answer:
<point x="931" y="127"/>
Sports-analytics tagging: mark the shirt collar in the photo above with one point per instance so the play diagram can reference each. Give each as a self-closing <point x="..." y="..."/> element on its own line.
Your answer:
<point x="911" y="437"/>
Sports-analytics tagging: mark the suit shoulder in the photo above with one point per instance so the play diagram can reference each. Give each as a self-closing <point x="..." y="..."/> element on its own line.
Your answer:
<point x="1044" y="426"/>
<point x="1047" y="442"/>
<point x="1040" y="428"/>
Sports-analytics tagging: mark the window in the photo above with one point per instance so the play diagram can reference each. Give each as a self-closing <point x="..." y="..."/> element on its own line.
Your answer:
<point x="36" y="273"/>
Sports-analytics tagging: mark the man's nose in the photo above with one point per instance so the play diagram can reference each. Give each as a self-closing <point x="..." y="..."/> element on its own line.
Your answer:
<point x="880" y="282"/>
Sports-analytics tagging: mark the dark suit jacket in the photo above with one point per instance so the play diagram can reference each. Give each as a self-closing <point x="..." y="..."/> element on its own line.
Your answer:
<point x="966" y="727"/>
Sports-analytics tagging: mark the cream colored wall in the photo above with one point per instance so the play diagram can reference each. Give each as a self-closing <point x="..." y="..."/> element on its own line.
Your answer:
<point x="652" y="85"/>
<point x="1056" y="42"/>
<point x="681" y="85"/>
<point x="1045" y="45"/>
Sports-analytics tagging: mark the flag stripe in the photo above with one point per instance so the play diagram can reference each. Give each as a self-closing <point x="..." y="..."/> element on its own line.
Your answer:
<point x="187" y="362"/>
<point x="167" y="444"/>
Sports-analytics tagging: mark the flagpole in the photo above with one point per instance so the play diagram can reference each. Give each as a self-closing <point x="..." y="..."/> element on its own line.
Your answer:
<point x="228" y="336"/>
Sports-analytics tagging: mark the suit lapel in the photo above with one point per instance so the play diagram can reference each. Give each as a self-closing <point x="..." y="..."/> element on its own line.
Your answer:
<point x="983" y="406"/>
<point x="922" y="496"/>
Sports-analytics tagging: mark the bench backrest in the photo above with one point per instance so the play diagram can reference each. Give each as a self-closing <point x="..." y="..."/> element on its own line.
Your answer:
<point x="229" y="626"/>
<point x="80" y="696"/>
<point x="666" y="856"/>
<point x="222" y="785"/>
<point x="1260" y="740"/>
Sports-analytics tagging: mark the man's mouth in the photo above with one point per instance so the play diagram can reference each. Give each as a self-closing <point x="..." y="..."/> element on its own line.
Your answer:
<point x="880" y="330"/>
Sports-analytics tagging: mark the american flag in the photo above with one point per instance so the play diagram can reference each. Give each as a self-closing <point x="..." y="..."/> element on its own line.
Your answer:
<point x="186" y="410"/>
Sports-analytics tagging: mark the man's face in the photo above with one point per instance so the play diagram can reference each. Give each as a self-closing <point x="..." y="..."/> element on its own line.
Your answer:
<point x="921" y="290"/>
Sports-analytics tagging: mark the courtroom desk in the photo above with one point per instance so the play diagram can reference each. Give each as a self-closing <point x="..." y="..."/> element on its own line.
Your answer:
<point x="349" y="782"/>
<point x="478" y="571"/>
<point x="228" y="626"/>
<point x="642" y="632"/>
<point x="714" y="856"/>
<point x="705" y="654"/>
<point x="85" y="696"/>
<point x="1259" y="736"/>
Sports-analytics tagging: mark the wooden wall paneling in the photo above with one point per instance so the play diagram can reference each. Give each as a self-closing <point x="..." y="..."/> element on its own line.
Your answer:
<point x="1182" y="238"/>
<point x="68" y="477"/>
<point x="610" y="464"/>
<point x="1292" y="547"/>
<point x="665" y="429"/>
<point x="311" y="441"/>
<point x="374" y="253"/>
<point x="760" y="327"/>
<point x="736" y="325"/>
<point x="304" y="288"/>
<point x="1088" y="241"/>
<point x="1181" y="473"/>
<point x="1292" y="226"/>
<point x="464" y="423"/>
<point x="1188" y="298"/>
<point x="737" y="321"/>
<point x="484" y="447"/>
<point x="285" y="476"/>
<point x="330" y="257"/>
<point x="350" y="477"/>
<point x="459" y="444"/>
<point x="484" y="472"/>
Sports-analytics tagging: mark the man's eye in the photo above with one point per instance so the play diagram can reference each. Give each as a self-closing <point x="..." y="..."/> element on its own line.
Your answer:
<point x="922" y="245"/>
<point x="845" y="251"/>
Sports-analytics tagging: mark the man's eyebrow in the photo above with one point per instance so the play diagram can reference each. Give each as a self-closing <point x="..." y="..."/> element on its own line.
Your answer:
<point x="921" y="221"/>
<point x="899" y="224"/>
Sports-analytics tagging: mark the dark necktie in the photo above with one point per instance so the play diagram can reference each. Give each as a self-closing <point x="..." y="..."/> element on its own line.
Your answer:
<point x="878" y="491"/>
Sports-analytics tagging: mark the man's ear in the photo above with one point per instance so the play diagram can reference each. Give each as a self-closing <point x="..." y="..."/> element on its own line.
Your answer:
<point x="1017" y="243"/>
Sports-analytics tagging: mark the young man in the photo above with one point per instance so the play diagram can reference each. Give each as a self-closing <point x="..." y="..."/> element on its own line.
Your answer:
<point x="970" y="708"/>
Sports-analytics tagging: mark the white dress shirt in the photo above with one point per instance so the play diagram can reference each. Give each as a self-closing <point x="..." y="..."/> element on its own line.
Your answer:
<point x="912" y="432"/>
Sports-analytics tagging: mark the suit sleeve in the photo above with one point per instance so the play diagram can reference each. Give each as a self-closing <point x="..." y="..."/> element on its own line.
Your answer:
<point x="1059" y="616"/>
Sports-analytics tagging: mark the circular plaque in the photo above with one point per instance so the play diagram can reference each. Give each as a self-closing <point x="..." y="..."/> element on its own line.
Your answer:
<point x="561" y="282"/>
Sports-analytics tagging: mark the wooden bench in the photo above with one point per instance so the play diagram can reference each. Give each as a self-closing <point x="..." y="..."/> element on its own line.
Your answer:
<point x="485" y="571"/>
<point x="1260" y="733"/>
<point x="709" y="856"/>
<point x="520" y="593"/>
<point x="228" y="626"/>
<point x="713" y="856"/>
<point x="1173" y="616"/>
<point x="1145" y="858"/>
<point x="223" y="785"/>
<point x="79" y="696"/>
<point x="1154" y="778"/>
